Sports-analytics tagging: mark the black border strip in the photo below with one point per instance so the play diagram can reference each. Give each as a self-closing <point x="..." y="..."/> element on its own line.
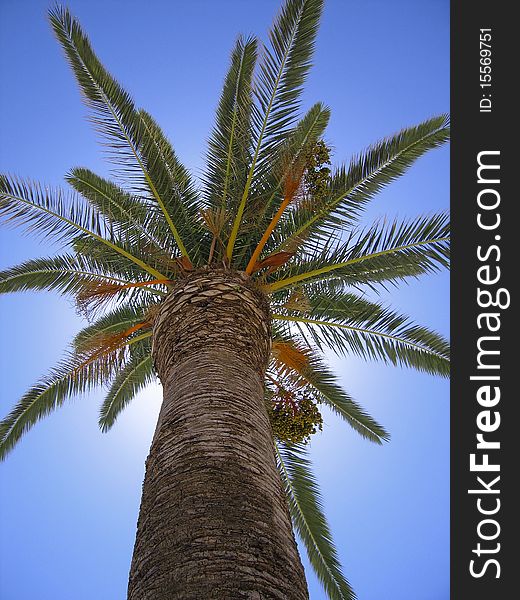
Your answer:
<point x="474" y="132"/>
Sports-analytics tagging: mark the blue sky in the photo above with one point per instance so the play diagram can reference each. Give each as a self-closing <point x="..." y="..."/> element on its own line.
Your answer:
<point x="70" y="494"/>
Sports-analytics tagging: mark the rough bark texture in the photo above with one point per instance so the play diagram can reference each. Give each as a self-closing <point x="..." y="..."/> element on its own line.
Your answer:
<point x="214" y="521"/>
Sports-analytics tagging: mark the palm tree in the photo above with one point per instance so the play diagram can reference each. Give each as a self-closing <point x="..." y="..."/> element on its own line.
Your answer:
<point x="228" y="294"/>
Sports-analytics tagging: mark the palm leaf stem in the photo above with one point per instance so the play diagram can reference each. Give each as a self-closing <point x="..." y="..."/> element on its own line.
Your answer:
<point x="127" y="138"/>
<point x="267" y="234"/>
<point x="394" y="338"/>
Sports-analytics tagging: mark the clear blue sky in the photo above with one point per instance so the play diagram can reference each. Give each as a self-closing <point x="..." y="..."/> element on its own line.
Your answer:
<point x="70" y="494"/>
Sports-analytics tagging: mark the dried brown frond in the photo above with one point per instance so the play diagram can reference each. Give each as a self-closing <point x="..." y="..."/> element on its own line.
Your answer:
<point x="287" y="358"/>
<point x="108" y="341"/>
<point x="273" y="262"/>
<point x="298" y="302"/>
<point x="215" y="219"/>
<point x="95" y="293"/>
<point x="110" y="348"/>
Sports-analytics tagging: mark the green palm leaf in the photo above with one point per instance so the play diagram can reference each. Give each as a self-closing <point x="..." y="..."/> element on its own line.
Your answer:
<point x="229" y="151"/>
<point x="66" y="274"/>
<point x="268" y="190"/>
<point x="67" y="379"/>
<point x="76" y="374"/>
<point x="133" y="218"/>
<point x="316" y="380"/>
<point x="307" y="515"/>
<point x="282" y="74"/>
<point x="117" y="119"/>
<point x="387" y="252"/>
<point x="160" y="265"/>
<point x="346" y="324"/>
<point x="174" y="183"/>
<point x="51" y="215"/>
<point x="137" y="373"/>
<point x="284" y="69"/>
<point x="330" y="393"/>
<point x="353" y="187"/>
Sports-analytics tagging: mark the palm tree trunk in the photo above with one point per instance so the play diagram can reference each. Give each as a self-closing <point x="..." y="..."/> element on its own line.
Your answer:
<point x="214" y="521"/>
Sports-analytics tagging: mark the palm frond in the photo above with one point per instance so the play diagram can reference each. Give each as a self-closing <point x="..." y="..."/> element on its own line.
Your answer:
<point x="79" y="372"/>
<point x="114" y="262"/>
<point x="229" y="151"/>
<point x="282" y="74"/>
<point x="66" y="274"/>
<point x="283" y="70"/>
<point x="174" y="184"/>
<point x="306" y="510"/>
<point x="293" y="150"/>
<point x="50" y="214"/>
<point x="346" y="323"/>
<point x="385" y="252"/>
<point x="117" y="119"/>
<point x="133" y="218"/>
<point x="292" y="174"/>
<point x="136" y="374"/>
<point x="69" y="378"/>
<point x="115" y="321"/>
<point x="368" y="173"/>
<point x="267" y="189"/>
